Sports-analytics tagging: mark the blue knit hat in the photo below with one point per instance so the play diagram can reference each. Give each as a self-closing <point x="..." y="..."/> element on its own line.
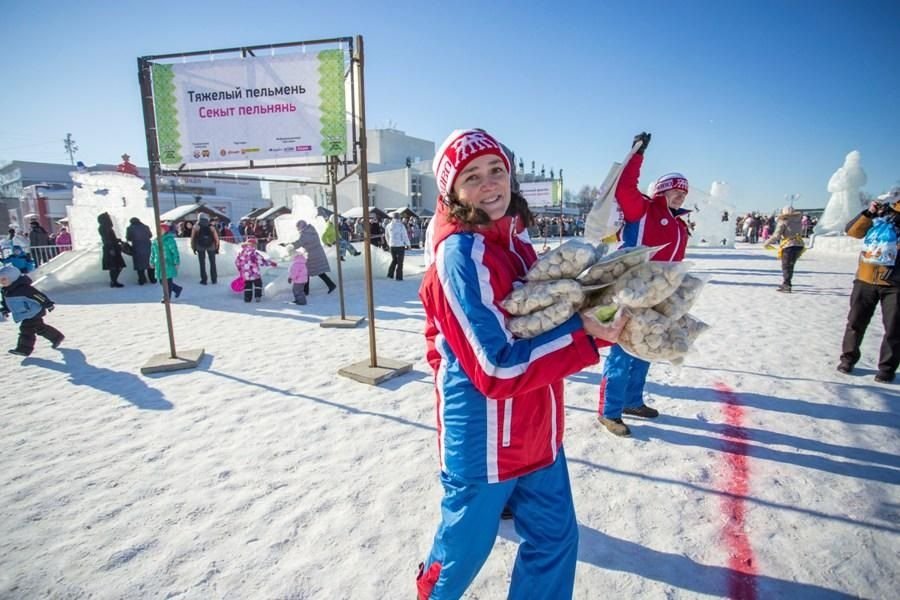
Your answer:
<point x="10" y="273"/>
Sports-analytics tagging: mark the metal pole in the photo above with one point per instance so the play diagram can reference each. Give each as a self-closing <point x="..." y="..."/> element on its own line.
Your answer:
<point x="332" y="175"/>
<point x="562" y="205"/>
<point x="153" y="159"/>
<point x="364" y="187"/>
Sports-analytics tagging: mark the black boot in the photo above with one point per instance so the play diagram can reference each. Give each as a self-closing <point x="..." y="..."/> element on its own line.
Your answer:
<point x="114" y="278"/>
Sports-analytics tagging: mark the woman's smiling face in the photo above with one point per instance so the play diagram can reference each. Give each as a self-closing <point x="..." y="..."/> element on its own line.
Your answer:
<point x="484" y="184"/>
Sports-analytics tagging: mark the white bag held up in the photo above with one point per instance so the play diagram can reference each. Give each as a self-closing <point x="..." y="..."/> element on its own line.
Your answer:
<point x="605" y="217"/>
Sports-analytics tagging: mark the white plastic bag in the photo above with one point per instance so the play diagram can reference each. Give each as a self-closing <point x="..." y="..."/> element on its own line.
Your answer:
<point x="680" y="302"/>
<point x="537" y="295"/>
<point x="565" y="262"/>
<point x="651" y="336"/>
<point x="541" y="321"/>
<point x="612" y="266"/>
<point x="649" y="284"/>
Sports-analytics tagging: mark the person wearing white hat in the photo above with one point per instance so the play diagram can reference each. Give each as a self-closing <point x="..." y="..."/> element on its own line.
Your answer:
<point x="788" y="235"/>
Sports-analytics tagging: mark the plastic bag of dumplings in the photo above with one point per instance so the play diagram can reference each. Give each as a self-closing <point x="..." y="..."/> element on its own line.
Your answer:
<point x="653" y="337"/>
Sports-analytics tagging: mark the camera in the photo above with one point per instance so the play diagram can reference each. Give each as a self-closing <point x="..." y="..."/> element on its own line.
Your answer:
<point x="884" y="209"/>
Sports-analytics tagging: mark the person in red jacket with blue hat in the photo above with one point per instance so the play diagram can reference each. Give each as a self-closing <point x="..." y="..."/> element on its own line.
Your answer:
<point x="653" y="220"/>
<point x="499" y="399"/>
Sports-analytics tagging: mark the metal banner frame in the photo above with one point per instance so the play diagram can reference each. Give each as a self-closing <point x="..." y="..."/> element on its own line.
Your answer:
<point x="371" y="371"/>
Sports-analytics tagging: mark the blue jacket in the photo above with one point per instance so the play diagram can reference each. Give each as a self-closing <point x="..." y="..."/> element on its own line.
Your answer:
<point x="23" y="301"/>
<point x="22" y="261"/>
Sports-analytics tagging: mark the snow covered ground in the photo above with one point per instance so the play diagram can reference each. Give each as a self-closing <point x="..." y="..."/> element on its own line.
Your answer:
<point x="263" y="474"/>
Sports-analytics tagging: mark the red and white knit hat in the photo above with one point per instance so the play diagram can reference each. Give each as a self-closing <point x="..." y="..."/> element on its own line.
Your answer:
<point x="459" y="149"/>
<point x="670" y="181"/>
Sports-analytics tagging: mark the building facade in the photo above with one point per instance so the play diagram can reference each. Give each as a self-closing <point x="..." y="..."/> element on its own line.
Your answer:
<point x="399" y="173"/>
<point x="45" y="190"/>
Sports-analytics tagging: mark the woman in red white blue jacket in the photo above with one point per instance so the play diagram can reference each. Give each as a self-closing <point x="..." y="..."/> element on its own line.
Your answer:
<point x="653" y="220"/>
<point x="499" y="399"/>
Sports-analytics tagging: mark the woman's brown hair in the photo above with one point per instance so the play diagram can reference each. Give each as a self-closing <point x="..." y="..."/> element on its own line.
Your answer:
<point x="465" y="214"/>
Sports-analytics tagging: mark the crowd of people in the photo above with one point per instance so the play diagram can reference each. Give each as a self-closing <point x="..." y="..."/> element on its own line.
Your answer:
<point x="547" y="226"/>
<point x="755" y="226"/>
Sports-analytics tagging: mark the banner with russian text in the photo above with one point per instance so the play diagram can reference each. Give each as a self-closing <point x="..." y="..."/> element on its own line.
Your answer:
<point x="540" y="193"/>
<point x="210" y="113"/>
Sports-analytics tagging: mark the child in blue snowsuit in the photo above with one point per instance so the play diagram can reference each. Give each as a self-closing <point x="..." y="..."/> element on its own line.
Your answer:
<point x="20" y="260"/>
<point x="27" y="307"/>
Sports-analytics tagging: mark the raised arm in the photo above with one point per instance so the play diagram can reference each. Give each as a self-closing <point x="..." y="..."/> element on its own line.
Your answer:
<point x="632" y="202"/>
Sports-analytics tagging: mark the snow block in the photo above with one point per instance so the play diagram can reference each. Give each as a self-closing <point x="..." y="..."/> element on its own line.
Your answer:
<point x="185" y="359"/>
<point x="384" y="370"/>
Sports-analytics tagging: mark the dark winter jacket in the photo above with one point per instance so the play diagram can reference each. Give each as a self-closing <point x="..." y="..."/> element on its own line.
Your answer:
<point x="867" y="272"/>
<point x="139" y="235"/>
<point x="201" y="232"/>
<point x="112" y="251"/>
<point x="23" y="301"/>
<point x="38" y="236"/>
<point x="649" y="221"/>
<point x="316" y="261"/>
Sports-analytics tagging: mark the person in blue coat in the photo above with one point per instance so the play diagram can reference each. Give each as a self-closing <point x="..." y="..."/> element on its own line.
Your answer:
<point x="20" y="260"/>
<point x="27" y="306"/>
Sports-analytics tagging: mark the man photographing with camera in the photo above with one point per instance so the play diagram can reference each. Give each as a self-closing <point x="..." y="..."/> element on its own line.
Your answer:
<point x="877" y="282"/>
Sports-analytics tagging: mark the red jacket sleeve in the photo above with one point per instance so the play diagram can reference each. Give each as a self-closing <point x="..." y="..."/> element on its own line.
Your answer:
<point x="632" y="202"/>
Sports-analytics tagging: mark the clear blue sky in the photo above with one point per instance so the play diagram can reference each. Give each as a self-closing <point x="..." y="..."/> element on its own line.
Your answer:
<point x="767" y="96"/>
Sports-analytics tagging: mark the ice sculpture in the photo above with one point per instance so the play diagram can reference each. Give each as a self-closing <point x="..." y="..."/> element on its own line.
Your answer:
<point x="119" y="194"/>
<point x="845" y="201"/>
<point x="713" y="217"/>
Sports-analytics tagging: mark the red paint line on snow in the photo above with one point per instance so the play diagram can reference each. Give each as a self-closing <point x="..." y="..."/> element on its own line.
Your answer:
<point x="742" y="578"/>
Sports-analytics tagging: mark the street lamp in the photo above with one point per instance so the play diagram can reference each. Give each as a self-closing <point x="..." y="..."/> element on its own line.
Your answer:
<point x="175" y="181"/>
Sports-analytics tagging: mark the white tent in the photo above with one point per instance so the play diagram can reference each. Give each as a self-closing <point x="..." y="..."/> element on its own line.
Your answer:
<point x="179" y="213"/>
<point x="356" y="213"/>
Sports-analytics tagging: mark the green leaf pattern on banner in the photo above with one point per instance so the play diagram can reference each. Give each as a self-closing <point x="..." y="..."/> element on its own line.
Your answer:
<point x="166" y="115"/>
<point x="331" y="102"/>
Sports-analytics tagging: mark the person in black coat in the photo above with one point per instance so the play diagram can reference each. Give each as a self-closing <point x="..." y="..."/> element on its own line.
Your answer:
<point x="40" y="243"/>
<point x="139" y="235"/>
<point x="112" y="250"/>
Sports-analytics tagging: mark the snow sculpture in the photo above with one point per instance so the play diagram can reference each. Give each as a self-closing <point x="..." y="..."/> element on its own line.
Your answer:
<point x="845" y="200"/>
<point x="95" y="192"/>
<point x="302" y="207"/>
<point x="713" y="217"/>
